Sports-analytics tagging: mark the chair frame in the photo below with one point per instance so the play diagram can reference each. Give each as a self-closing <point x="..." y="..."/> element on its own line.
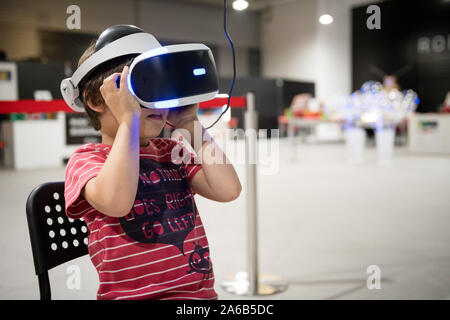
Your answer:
<point x="46" y="203"/>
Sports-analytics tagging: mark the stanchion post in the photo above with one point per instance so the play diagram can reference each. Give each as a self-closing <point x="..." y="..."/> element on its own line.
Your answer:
<point x="251" y="283"/>
<point x="251" y="141"/>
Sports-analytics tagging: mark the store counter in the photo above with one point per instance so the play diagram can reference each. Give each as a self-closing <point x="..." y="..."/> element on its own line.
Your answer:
<point x="429" y="132"/>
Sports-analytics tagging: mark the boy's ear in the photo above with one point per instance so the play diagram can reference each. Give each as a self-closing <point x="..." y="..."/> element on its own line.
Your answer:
<point x="100" y="108"/>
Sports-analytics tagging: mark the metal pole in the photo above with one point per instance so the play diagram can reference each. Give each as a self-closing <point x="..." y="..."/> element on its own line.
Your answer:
<point x="251" y="192"/>
<point x="251" y="283"/>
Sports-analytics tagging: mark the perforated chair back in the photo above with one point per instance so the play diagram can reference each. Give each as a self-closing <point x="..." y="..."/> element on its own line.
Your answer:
<point x="55" y="239"/>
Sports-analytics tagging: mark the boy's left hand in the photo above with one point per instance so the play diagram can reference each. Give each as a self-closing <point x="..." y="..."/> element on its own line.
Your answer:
<point x="184" y="115"/>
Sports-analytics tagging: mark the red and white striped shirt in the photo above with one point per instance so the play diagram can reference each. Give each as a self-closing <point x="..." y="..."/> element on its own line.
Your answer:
<point x="159" y="250"/>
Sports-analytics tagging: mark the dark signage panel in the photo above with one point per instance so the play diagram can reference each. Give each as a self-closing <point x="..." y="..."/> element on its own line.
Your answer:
<point x="413" y="41"/>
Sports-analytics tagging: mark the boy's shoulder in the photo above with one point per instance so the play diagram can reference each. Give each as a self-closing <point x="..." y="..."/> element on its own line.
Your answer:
<point x="91" y="147"/>
<point x="89" y="151"/>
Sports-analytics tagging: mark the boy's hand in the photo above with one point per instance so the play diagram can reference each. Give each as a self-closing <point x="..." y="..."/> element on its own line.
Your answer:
<point x="120" y="101"/>
<point x="182" y="116"/>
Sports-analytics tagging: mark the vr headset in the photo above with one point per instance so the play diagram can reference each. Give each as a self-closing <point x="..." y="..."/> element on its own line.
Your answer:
<point x="159" y="76"/>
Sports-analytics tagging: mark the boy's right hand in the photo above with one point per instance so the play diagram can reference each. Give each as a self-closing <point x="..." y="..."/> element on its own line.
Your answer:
<point x="120" y="101"/>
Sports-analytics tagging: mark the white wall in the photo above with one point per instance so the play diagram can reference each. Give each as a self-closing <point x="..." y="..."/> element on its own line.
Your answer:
<point x="225" y="66"/>
<point x="333" y="50"/>
<point x="174" y="20"/>
<point x="334" y="47"/>
<point x="295" y="45"/>
<point x="289" y="41"/>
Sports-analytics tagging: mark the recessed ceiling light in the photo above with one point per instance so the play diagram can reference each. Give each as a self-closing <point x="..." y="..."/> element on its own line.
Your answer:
<point x="325" y="19"/>
<point x="240" y="5"/>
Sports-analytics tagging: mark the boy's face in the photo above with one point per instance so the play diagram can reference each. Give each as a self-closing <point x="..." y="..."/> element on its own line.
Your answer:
<point x="151" y="123"/>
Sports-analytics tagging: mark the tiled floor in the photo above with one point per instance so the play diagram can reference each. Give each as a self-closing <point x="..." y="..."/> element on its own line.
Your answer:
<point x="322" y="223"/>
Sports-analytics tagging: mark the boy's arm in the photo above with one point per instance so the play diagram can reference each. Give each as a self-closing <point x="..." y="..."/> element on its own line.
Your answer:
<point x="217" y="180"/>
<point x="113" y="190"/>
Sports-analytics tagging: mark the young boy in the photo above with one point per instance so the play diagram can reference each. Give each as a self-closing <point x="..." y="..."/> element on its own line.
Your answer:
<point x="146" y="238"/>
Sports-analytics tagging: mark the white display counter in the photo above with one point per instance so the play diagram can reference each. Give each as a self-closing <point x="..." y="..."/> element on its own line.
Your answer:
<point x="34" y="144"/>
<point x="429" y="133"/>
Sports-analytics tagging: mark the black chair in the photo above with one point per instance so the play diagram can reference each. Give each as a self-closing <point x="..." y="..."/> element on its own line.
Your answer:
<point x="55" y="239"/>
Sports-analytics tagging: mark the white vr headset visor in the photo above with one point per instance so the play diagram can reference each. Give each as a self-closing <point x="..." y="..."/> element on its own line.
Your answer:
<point x="159" y="77"/>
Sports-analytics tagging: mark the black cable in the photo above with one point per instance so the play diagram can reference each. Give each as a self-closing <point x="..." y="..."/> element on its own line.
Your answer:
<point x="234" y="61"/>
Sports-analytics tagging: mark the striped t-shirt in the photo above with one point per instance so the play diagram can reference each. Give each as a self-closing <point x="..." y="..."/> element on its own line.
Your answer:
<point x="159" y="250"/>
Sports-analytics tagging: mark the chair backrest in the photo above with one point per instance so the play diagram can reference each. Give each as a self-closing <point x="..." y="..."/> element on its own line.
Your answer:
<point x="55" y="239"/>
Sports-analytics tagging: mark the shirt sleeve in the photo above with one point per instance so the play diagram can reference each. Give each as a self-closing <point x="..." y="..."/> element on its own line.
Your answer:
<point x="192" y="168"/>
<point x="82" y="167"/>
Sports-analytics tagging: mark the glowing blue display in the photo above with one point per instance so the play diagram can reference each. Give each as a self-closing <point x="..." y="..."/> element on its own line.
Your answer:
<point x="199" y="71"/>
<point x="167" y="103"/>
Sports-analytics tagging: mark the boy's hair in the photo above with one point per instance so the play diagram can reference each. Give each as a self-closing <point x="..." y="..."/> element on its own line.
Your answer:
<point x="90" y="86"/>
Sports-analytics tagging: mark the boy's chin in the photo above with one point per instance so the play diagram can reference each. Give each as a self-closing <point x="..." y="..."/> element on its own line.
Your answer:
<point x="150" y="133"/>
<point x="148" y="136"/>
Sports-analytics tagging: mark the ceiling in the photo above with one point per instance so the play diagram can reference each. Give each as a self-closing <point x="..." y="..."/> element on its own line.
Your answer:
<point x="254" y="5"/>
